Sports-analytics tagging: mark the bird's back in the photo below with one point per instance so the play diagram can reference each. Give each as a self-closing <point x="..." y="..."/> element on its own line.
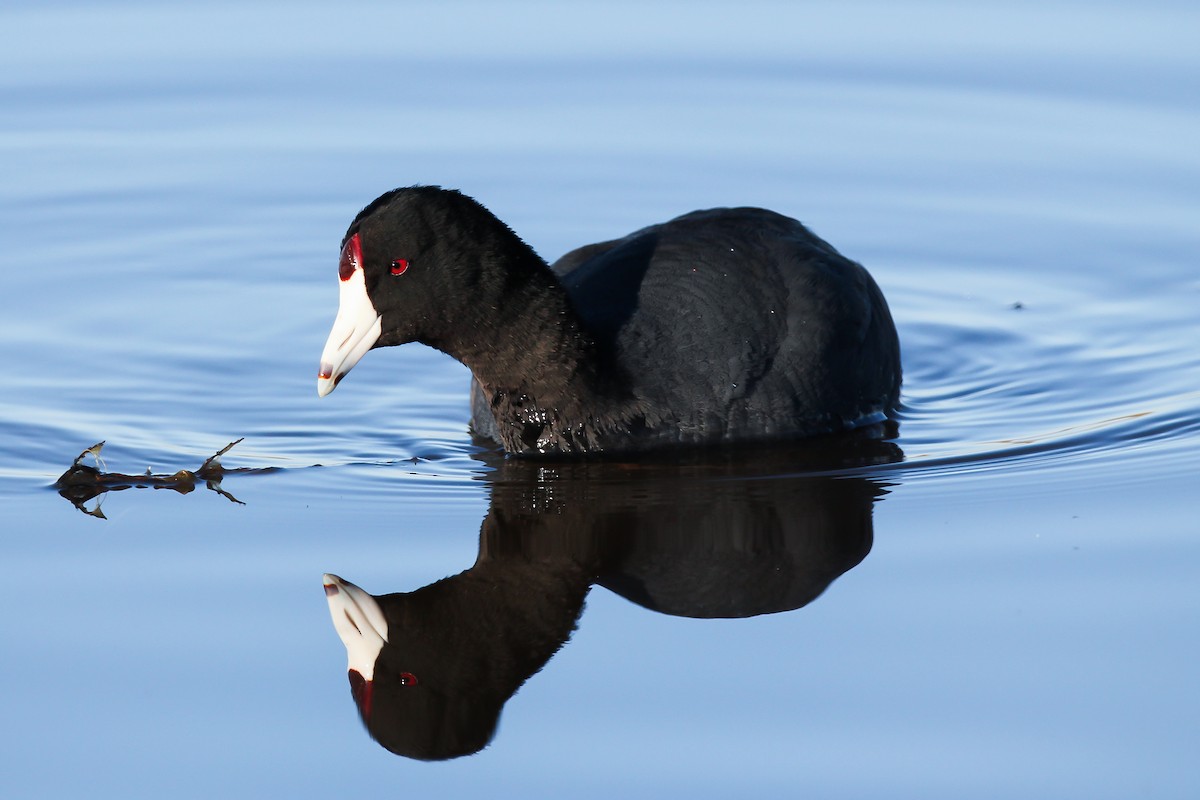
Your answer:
<point x="733" y="324"/>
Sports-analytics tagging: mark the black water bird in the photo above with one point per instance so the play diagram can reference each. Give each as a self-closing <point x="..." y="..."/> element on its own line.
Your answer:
<point x="719" y="326"/>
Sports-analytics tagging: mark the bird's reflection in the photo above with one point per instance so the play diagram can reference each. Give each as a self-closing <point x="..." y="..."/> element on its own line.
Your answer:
<point x="755" y="532"/>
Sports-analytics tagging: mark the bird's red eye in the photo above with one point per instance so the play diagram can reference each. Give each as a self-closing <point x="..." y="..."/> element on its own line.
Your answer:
<point x="408" y="679"/>
<point x="399" y="266"/>
<point x="351" y="257"/>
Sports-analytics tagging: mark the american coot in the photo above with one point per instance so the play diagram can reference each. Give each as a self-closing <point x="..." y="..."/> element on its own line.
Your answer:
<point x="719" y="326"/>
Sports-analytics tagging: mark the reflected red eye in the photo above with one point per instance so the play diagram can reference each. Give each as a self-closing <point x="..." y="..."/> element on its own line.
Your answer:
<point x="408" y="679"/>
<point x="351" y="258"/>
<point x="399" y="266"/>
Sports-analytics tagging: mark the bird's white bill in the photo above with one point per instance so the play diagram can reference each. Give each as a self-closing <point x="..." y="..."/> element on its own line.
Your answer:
<point x="359" y="622"/>
<point x="355" y="330"/>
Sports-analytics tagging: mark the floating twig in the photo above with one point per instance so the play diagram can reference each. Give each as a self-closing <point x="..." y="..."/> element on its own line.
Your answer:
<point x="81" y="482"/>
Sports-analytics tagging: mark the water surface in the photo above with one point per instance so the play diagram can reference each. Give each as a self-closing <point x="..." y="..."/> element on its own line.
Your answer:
<point x="1009" y="608"/>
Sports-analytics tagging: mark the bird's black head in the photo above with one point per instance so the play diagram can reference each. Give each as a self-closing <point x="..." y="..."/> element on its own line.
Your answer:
<point x="423" y="688"/>
<point x="417" y="264"/>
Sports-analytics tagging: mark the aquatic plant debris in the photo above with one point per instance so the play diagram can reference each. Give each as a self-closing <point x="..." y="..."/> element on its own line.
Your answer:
<point x="81" y="482"/>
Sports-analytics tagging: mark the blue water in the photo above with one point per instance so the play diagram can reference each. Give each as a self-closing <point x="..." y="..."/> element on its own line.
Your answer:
<point x="1023" y="181"/>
